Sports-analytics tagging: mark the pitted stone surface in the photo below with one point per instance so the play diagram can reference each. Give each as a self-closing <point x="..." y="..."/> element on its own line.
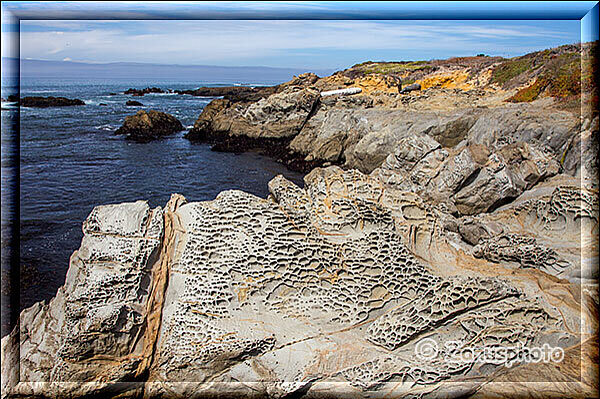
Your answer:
<point x="242" y="254"/>
<point x="101" y="309"/>
<point x="544" y="229"/>
<point x="444" y="300"/>
<point x="337" y="283"/>
<point x="332" y="262"/>
<point x="521" y="249"/>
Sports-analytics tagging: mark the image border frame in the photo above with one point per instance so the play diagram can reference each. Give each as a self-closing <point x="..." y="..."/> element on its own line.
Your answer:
<point x="15" y="12"/>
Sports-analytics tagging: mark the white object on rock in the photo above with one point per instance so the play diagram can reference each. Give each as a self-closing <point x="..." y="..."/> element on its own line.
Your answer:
<point x="342" y="92"/>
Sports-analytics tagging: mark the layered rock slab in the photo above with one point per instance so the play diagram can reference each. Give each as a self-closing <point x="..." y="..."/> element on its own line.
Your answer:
<point x="277" y="116"/>
<point x="93" y="330"/>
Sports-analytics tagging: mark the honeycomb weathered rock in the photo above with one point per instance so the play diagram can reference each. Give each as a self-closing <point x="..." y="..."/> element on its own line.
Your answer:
<point x="340" y="284"/>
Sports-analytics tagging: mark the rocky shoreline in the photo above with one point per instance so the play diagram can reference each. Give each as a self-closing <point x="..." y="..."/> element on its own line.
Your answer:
<point x="433" y="223"/>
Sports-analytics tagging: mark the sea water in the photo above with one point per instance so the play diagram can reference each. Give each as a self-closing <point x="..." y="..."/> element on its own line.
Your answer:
<point x="71" y="161"/>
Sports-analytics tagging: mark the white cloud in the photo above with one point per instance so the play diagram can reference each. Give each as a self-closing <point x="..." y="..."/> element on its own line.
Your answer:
<point x="210" y="41"/>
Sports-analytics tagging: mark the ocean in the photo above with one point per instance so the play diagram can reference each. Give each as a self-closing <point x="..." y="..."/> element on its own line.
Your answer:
<point x="71" y="161"/>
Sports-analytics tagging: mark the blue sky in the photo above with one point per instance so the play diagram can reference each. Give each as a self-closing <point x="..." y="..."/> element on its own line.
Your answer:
<point x="281" y="43"/>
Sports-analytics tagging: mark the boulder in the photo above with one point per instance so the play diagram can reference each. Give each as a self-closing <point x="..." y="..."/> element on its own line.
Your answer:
<point x="411" y="87"/>
<point x="279" y="115"/>
<point x="45" y="102"/>
<point x="133" y="103"/>
<point x="147" y="126"/>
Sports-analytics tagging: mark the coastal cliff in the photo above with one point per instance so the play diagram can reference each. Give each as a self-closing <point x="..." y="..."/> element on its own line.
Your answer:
<point x="451" y="219"/>
<point x="480" y="100"/>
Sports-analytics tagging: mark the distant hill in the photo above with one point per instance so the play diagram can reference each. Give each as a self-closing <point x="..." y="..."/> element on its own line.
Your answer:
<point x="133" y="70"/>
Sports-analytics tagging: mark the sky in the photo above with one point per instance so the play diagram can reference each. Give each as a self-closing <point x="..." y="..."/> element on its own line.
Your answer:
<point x="278" y="43"/>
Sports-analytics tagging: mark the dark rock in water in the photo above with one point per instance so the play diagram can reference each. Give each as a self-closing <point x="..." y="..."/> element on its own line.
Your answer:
<point x="232" y="93"/>
<point x="13" y="98"/>
<point x="103" y="104"/>
<point x="245" y="94"/>
<point x="276" y="148"/>
<point x="44" y="102"/>
<point x="147" y="126"/>
<point x="132" y="103"/>
<point x="141" y="92"/>
<point x="412" y="87"/>
<point x="112" y="94"/>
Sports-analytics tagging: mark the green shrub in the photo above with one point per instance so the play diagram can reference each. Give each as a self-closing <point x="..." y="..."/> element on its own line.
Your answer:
<point x="510" y="69"/>
<point x="529" y="93"/>
<point x="386" y="68"/>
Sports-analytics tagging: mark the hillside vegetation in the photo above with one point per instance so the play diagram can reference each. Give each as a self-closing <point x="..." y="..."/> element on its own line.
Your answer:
<point x="553" y="72"/>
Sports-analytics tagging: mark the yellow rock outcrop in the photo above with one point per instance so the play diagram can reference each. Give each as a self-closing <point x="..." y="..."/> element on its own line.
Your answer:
<point x="447" y="80"/>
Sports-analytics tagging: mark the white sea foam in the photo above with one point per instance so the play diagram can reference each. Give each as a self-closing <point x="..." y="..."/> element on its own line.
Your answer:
<point x="38" y="91"/>
<point x="106" y="127"/>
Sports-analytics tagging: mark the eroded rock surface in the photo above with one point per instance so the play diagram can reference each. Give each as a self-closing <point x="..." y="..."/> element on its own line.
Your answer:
<point x="335" y="289"/>
<point x="98" y="318"/>
<point x="357" y="132"/>
<point x="278" y="116"/>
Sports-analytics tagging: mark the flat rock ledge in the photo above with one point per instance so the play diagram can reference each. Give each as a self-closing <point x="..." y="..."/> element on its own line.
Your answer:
<point x="45" y="102"/>
<point x="150" y="125"/>
<point x="350" y="287"/>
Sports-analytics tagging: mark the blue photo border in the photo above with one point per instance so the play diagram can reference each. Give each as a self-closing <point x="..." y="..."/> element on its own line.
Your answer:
<point x="15" y="11"/>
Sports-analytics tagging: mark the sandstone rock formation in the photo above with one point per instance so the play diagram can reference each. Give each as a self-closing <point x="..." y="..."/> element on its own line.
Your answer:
<point x="334" y="289"/>
<point x="353" y="132"/>
<point x="146" y="126"/>
<point x="45" y="102"/>
<point x="268" y="124"/>
<point x="279" y="116"/>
